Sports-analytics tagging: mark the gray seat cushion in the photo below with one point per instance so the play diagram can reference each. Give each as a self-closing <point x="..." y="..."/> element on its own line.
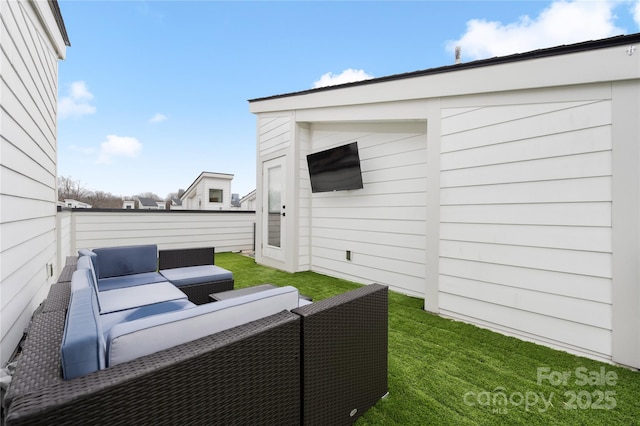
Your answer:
<point x="112" y="283"/>
<point x="196" y="274"/>
<point x="137" y="296"/>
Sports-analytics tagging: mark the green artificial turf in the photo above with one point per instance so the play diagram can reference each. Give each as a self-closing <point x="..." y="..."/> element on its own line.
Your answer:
<point x="446" y="372"/>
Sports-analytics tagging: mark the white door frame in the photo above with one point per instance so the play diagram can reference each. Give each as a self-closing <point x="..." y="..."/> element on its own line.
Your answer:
<point x="273" y="208"/>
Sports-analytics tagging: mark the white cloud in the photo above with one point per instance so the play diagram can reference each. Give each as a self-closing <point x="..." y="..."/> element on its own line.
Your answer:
<point x="77" y="102"/>
<point x="635" y="11"/>
<point x="158" y="118"/>
<point x="563" y="22"/>
<point x="347" y="76"/>
<point x="119" y="146"/>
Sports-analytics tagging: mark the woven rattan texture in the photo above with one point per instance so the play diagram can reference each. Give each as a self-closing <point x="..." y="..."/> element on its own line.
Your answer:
<point x="199" y="293"/>
<point x="247" y="375"/>
<point x="345" y="341"/>
<point x="179" y="258"/>
<point x="39" y="362"/>
<point x="67" y="272"/>
<point x="58" y="298"/>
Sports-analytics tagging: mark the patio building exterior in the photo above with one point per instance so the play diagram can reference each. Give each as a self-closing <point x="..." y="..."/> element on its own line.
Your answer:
<point x="504" y="192"/>
<point x="34" y="40"/>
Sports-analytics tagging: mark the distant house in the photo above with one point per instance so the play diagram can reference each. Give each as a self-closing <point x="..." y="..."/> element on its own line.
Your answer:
<point x="129" y="204"/>
<point x="174" y="204"/>
<point x="75" y="204"/>
<point x="210" y="191"/>
<point x="504" y="192"/>
<point x="248" y="202"/>
<point x="147" y="203"/>
<point x="235" y="200"/>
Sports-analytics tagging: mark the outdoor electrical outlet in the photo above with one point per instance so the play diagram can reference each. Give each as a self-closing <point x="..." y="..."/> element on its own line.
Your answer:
<point x="348" y="254"/>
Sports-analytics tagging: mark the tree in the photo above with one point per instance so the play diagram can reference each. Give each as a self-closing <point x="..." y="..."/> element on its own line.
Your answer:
<point x="71" y="189"/>
<point x="104" y="200"/>
<point x="176" y="195"/>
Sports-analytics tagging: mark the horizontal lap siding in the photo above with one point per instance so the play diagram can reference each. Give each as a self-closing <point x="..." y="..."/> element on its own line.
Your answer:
<point x="525" y="233"/>
<point x="64" y="236"/>
<point x="383" y="224"/>
<point x="225" y="231"/>
<point x="274" y="133"/>
<point x="304" y="199"/>
<point x="28" y="79"/>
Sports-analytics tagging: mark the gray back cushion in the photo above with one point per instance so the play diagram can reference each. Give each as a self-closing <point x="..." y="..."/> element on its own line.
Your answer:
<point x="126" y="260"/>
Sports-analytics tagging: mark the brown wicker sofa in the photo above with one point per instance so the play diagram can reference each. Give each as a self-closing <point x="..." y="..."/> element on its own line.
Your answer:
<point x="323" y="363"/>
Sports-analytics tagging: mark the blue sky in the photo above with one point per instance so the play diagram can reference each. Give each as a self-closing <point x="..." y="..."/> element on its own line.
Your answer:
<point x="152" y="93"/>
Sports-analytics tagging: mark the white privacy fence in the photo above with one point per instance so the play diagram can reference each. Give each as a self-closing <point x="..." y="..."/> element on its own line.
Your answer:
<point x="91" y="228"/>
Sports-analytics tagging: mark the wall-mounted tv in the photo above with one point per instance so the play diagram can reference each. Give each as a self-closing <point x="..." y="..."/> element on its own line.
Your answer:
<point x="335" y="169"/>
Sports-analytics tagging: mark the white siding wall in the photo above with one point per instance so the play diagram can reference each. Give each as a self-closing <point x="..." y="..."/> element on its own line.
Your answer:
<point x="384" y="223"/>
<point x="213" y="183"/>
<point x="525" y="233"/>
<point x="64" y="233"/>
<point x="274" y="133"/>
<point x="226" y="231"/>
<point x="303" y="187"/>
<point x="274" y="139"/>
<point x="29" y="72"/>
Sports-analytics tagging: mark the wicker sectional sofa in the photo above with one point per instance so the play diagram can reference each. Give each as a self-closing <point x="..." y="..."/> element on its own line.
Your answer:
<point x="192" y="270"/>
<point x="323" y="363"/>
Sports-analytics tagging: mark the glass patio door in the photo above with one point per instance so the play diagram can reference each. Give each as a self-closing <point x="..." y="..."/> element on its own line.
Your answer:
<point x="274" y="208"/>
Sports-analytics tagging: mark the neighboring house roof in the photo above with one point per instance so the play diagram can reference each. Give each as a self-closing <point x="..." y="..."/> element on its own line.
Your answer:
<point x="535" y="54"/>
<point x="147" y="202"/>
<point x="70" y="202"/>
<point x="176" y="201"/>
<point x="249" y="196"/>
<point x="202" y="176"/>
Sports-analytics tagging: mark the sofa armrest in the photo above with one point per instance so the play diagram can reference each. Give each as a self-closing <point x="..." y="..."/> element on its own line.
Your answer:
<point x="345" y="345"/>
<point x="244" y="375"/>
<point x="179" y="258"/>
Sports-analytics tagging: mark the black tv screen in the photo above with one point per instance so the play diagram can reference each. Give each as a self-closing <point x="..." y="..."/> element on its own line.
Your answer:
<point x="335" y="169"/>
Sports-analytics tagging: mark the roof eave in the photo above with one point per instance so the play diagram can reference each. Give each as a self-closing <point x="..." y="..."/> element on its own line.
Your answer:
<point x="535" y="54"/>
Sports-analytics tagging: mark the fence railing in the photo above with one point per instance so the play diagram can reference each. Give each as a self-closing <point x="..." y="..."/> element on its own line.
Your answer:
<point x="229" y="230"/>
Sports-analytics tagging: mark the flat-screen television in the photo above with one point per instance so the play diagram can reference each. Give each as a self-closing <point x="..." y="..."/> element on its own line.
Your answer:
<point x="335" y="169"/>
